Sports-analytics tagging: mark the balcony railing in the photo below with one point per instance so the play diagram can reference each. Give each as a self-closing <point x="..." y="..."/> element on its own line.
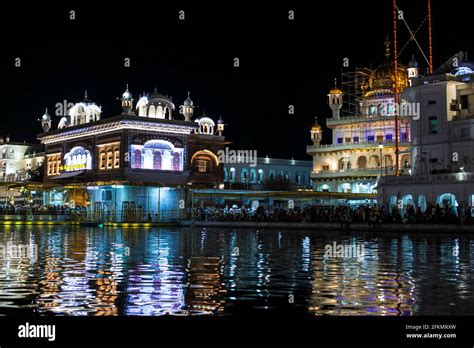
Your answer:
<point x="353" y="172"/>
<point x="362" y="118"/>
<point x="357" y="144"/>
<point x="431" y="178"/>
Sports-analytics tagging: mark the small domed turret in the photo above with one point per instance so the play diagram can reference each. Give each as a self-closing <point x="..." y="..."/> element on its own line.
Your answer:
<point x="187" y="109"/>
<point x="220" y="126"/>
<point x="188" y="101"/>
<point x="412" y="70"/>
<point x="127" y="102"/>
<point x="46" y="121"/>
<point x="82" y="112"/>
<point x="316" y="132"/>
<point x="335" y="100"/>
<point x="127" y="95"/>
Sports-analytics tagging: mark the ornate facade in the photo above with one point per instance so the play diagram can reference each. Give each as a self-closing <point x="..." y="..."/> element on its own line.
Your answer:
<point x="442" y="142"/>
<point x="146" y="145"/>
<point x="363" y="145"/>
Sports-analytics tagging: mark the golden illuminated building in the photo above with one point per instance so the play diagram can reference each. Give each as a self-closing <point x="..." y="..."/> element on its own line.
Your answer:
<point x="363" y="141"/>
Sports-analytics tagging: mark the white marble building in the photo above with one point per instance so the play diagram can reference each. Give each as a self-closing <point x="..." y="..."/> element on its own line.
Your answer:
<point x="442" y="147"/>
<point x="363" y="145"/>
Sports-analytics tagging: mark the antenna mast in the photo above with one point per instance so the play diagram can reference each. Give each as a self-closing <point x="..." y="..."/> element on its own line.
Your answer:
<point x="430" y="37"/>
<point x="395" y="75"/>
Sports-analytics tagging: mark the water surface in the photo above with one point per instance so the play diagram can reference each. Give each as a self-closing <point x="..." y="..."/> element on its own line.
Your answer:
<point x="171" y="271"/>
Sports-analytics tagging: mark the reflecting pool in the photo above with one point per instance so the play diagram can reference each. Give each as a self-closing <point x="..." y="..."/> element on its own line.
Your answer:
<point x="62" y="270"/>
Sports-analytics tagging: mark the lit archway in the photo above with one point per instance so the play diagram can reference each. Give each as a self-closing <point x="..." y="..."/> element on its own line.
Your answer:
<point x="422" y="203"/>
<point x="448" y="201"/>
<point x="324" y="188"/>
<point x="345" y="187"/>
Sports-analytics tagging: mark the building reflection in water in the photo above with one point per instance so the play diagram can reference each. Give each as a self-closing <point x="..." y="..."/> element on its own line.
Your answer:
<point x="156" y="284"/>
<point x="205" y="289"/>
<point x="375" y="284"/>
<point x="191" y="272"/>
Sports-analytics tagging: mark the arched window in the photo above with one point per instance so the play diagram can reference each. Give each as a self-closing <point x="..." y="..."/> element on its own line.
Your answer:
<point x="261" y="177"/>
<point x="253" y="176"/>
<point x="362" y="162"/>
<point x="387" y="161"/>
<point x="374" y="161"/>
<point x="341" y="164"/>
<point x="137" y="158"/>
<point x="381" y="108"/>
<point x="226" y="175"/>
<point x="244" y="175"/>
<point x="142" y="110"/>
<point x="151" y="111"/>
<point x="176" y="161"/>
<point x="422" y="203"/>
<point x="110" y="159"/>
<point x="159" y="112"/>
<point x="116" y="157"/>
<point x="272" y="175"/>
<point x="102" y="163"/>
<point x="157" y="160"/>
<point x="203" y="164"/>
<point x="372" y="109"/>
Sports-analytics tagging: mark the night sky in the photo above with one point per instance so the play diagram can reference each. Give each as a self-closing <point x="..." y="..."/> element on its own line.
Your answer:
<point x="282" y="62"/>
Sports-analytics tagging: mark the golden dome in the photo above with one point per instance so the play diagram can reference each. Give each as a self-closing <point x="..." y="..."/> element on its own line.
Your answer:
<point x="382" y="80"/>
<point x="316" y="126"/>
<point x="335" y="90"/>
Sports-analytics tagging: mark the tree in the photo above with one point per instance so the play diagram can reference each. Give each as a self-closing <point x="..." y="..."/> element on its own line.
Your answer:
<point x="37" y="174"/>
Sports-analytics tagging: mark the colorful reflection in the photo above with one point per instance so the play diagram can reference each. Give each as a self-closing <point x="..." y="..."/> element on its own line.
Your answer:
<point x="108" y="272"/>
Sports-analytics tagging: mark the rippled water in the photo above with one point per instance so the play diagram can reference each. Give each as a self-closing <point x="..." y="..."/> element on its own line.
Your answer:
<point x="59" y="270"/>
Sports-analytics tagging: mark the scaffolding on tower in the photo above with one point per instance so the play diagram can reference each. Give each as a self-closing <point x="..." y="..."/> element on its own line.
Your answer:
<point x="351" y="85"/>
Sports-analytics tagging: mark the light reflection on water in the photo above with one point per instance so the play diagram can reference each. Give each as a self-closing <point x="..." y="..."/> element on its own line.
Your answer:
<point x="167" y="271"/>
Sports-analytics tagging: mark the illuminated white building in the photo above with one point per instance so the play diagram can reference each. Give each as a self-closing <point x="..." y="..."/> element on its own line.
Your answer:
<point x="442" y="141"/>
<point x="138" y="159"/>
<point x="18" y="159"/>
<point x="363" y="143"/>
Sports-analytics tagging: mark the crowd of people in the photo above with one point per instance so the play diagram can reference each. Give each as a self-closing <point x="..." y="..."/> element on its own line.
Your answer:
<point x="370" y="214"/>
<point x="36" y="209"/>
<point x="345" y="215"/>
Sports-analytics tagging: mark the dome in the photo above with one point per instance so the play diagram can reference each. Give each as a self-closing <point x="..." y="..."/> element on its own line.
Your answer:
<point x="335" y="90"/>
<point x="127" y="95"/>
<point x="188" y="101"/>
<point x="463" y="70"/>
<point x="156" y="95"/>
<point x="158" y="144"/>
<point x="156" y="98"/>
<point x="382" y="80"/>
<point x="46" y="116"/>
<point x="205" y="120"/>
<point x="316" y="126"/>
